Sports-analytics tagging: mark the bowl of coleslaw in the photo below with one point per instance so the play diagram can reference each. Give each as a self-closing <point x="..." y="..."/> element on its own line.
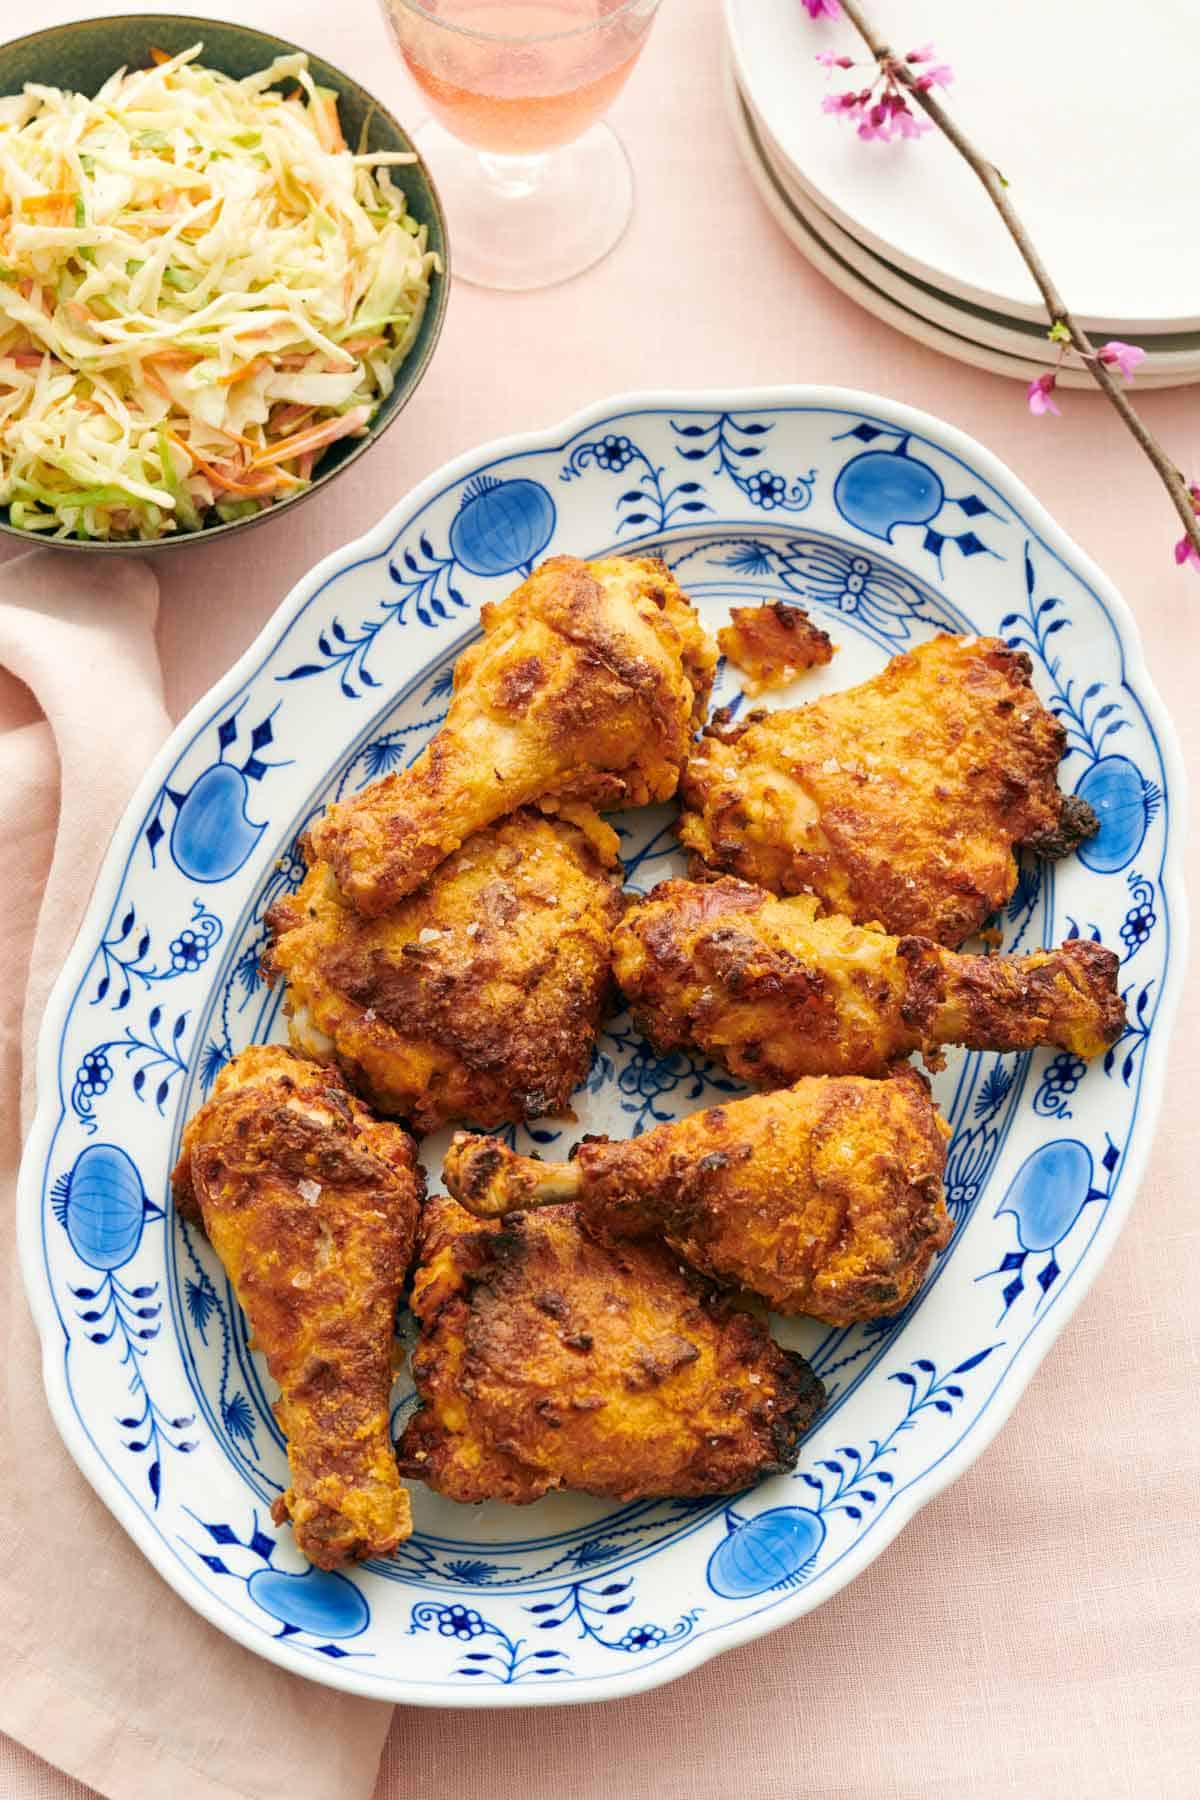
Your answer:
<point x="223" y="272"/>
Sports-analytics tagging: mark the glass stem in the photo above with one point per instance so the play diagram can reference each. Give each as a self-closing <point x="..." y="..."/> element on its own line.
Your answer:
<point x="513" y="176"/>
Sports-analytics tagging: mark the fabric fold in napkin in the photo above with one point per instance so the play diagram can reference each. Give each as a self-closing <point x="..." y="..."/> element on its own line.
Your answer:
<point x="107" y="1673"/>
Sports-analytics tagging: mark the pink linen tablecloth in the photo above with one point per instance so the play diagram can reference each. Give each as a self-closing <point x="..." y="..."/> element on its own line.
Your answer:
<point x="1037" y="1628"/>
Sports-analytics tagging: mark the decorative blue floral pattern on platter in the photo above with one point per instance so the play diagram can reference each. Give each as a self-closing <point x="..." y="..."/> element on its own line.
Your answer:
<point x="321" y="1605"/>
<point x="103" y="1208"/>
<point x="1046" y="1199"/>
<point x="890" y="485"/>
<point x="779" y="1547"/>
<point x="589" y="1606"/>
<point x="889" y="528"/>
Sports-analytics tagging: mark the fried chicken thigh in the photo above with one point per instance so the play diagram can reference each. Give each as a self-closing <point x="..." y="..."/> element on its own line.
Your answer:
<point x="480" y="996"/>
<point x="897" y="802"/>
<point x="548" y="1359"/>
<point x="774" y="991"/>
<point x="312" y="1205"/>
<point x="824" y="1198"/>
<point x="587" y="684"/>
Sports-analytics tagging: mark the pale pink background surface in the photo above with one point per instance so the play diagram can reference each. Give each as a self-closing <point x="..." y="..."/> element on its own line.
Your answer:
<point x="1036" y="1629"/>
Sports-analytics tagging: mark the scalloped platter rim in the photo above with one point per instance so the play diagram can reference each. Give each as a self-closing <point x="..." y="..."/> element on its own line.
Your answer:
<point x="889" y="525"/>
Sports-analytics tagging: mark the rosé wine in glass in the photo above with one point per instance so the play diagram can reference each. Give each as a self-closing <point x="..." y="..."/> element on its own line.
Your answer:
<point x="536" y="189"/>
<point x="519" y="98"/>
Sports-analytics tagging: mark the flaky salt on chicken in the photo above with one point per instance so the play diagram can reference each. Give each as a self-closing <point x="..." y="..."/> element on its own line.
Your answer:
<point x="478" y="997"/>
<point x="823" y="1198"/>
<point x="312" y="1205"/>
<point x="898" y="802"/>
<point x="548" y="1359"/>
<point x="587" y="684"/>
<point x="774" y="990"/>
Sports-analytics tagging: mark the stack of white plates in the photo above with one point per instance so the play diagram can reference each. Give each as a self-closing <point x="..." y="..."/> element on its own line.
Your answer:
<point x="1090" y="115"/>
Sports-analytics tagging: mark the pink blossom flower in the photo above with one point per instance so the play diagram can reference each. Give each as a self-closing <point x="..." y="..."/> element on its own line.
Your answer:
<point x="1185" y="550"/>
<point x="1126" y="357"/>
<point x="882" y="112"/>
<point x="941" y="76"/>
<point x="822" y="9"/>
<point x="1040" y="396"/>
<point x="909" y="126"/>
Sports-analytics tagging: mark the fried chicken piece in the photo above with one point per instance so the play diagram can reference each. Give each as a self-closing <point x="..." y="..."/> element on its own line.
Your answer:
<point x="312" y="1205"/>
<point x="480" y="996"/>
<point x="587" y="684"/>
<point x="548" y="1359"/>
<point x="824" y="1198"/>
<point x="775" y="991"/>
<point x="898" y="801"/>
<point x="772" y="644"/>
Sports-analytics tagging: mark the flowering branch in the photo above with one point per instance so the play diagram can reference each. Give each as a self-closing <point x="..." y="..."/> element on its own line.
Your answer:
<point x="877" y="114"/>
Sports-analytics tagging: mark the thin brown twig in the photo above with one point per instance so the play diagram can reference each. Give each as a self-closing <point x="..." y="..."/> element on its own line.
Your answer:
<point x="1058" y="310"/>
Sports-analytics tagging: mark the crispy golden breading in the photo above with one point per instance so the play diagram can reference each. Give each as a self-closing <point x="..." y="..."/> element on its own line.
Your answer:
<point x="548" y="1359"/>
<point x="898" y="801"/>
<point x="480" y="996"/>
<point x="824" y="1198"/>
<point x="312" y="1205"/>
<point x="775" y="991"/>
<point x="587" y="684"/>
<point x="772" y="644"/>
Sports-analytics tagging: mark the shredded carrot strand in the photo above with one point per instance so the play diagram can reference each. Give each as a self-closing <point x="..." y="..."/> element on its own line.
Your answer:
<point x="155" y="380"/>
<point x="230" y="483"/>
<point x="289" y="418"/>
<point x="325" y="118"/>
<point x="243" y="374"/>
<point x="235" y="437"/>
<point x="314" y="438"/>
<point x="56" y="201"/>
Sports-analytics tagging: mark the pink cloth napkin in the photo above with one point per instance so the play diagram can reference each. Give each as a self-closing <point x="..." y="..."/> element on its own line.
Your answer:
<point x="106" y="1672"/>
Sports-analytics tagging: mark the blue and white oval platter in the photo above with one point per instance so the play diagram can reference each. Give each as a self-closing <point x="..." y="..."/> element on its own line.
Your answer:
<point x="888" y="526"/>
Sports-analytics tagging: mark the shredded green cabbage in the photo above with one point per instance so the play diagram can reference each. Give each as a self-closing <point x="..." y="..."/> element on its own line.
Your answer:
<point x="201" y="288"/>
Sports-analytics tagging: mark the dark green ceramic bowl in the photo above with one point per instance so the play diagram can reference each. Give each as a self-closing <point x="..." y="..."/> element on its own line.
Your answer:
<point x="82" y="56"/>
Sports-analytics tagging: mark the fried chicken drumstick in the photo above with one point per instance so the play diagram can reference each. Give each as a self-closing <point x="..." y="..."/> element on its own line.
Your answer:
<point x="312" y="1205"/>
<point x="587" y="684"/>
<point x="774" y="991"/>
<point x="480" y="996"/>
<point x="824" y="1198"/>
<point x="548" y="1360"/>
<point x="897" y="802"/>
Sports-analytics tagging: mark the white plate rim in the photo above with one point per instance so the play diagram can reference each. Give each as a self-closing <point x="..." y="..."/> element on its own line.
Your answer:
<point x="847" y="280"/>
<point x="1162" y="368"/>
<point x="1019" y="1370"/>
<point x="873" y="300"/>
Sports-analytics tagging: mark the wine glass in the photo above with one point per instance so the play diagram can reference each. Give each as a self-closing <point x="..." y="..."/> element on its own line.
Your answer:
<point x="536" y="188"/>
